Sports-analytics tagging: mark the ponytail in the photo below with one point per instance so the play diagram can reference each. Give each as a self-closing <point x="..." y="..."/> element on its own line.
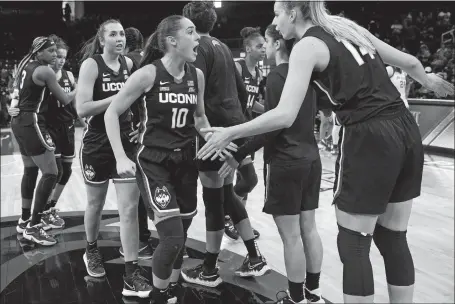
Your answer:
<point x="90" y="48"/>
<point x="339" y="27"/>
<point x="152" y="50"/>
<point x="37" y="44"/>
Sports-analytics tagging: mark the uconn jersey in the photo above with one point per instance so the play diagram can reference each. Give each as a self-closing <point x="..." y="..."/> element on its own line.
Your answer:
<point x="252" y="87"/>
<point x="167" y="120"/>
<point x="59" y="113"/>
<point x="32" y="97"/>
<point x="355" y="82"/>
<point x="106" y="85"/>
<point x="398" y="79"/>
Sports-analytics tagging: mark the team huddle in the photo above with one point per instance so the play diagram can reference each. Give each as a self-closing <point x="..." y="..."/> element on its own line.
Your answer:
<point x="160" y="117"/>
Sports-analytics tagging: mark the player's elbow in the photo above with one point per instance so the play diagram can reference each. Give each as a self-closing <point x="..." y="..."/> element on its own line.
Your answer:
<point x="411" y="63"/>
<point x="286" y="120"/>
<point x="82" y="110"/>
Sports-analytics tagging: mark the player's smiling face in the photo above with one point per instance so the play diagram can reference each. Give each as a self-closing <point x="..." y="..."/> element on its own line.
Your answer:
<point x="283" y="20"/>
<point x="187" y="40"/>
<point x="114" y="40"/>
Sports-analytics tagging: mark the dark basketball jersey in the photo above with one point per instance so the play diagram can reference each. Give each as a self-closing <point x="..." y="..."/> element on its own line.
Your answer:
<point x="32" y="97"/>
<point x="221" y="100"/>
<point x="106" y="85"/>
<point x="355" y="82"/>
<point x="167" y="110"/>
<point x="296" y="142"/>
<point x="59" y="113"/>
<point x="252" y="87"/>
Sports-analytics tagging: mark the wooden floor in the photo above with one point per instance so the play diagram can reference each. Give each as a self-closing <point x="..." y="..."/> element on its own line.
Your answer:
<point x="430" y="235"/>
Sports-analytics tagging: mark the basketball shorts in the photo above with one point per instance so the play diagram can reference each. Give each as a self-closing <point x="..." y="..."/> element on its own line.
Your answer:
<point x="31" y="134"/>
<point x="380" y="162"/>
<point x="63" y="136"/>
<point x="97" y="159"/>
<point x="209" y="165"/>
<point x="292" y="187"/>
<point x="168" y="182"/>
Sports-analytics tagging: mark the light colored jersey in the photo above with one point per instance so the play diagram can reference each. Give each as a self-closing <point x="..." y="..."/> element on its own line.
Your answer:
<point x="399" y="81"/>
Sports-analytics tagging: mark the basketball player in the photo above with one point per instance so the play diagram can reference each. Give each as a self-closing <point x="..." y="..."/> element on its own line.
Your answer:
<point x="293" y="178"/>
<point x="380" y="140"/>
<point x="253" y="42"/>
<point x="223" y="108"/>
<point x="171" y="111"/>
<point x="398" y="78"/>
<point x="133" y="50"/>
<point x="60" y="122"/>
<point x="103" y="73"/>
<point x="34" y="80"/>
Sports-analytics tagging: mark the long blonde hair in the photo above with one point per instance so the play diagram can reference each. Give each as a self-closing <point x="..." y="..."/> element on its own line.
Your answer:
<point x="339" y="27"/>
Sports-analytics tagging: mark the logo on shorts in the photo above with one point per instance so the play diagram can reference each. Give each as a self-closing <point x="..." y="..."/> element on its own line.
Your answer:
<point x="48" y="140"/>
<point x="162" y="197"/>
<point x="89" y="172"/>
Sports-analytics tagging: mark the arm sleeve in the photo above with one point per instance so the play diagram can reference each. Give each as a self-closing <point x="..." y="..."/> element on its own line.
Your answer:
<point x="274" y="87"/>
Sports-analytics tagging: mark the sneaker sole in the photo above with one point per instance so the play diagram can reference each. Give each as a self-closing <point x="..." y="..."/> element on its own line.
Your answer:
<point x="254" y="273"/>
<point x="211" y="284"/>
<point x="19" y="229"/>
<point x="92" y="274"/>
<point x="35" y="240"/>
<point x="132" y="293"/>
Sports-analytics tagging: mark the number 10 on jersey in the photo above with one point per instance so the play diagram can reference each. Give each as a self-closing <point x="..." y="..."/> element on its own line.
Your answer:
<point x="179" y="117"/>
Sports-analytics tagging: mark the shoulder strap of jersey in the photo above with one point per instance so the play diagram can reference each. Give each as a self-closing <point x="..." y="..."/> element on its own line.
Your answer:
<point x="193" y="71"/>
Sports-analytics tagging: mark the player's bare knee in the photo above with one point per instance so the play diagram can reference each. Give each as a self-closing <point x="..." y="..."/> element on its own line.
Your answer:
<point x="307" y="223"/>
<point x="211" y="179"/>
<point x="393" y="246"/>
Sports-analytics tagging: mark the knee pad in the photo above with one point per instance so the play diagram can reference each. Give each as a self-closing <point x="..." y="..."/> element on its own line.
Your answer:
<point x="59" y="163"/>
<point x="214" y="209"/>
<point x="186" y="225"/>
<point x="233" y="205"/>
<point x="171" y="242"/>
<point x="66" y="173"/>
<point x="393" y="246"/>
<point x="354" y="251"/>
<point x="29" y="182"/>
<point x="248" y="180"/>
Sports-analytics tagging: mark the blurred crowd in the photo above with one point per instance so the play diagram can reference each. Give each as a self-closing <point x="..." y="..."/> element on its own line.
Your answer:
<point x="427" y="35"/>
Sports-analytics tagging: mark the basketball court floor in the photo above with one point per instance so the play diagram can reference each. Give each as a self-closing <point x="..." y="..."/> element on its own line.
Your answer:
<point x="57" y="274"/>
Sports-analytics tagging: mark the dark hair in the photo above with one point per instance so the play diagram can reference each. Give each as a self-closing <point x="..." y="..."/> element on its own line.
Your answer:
<point x="202" y="14"/>
<point x="37" y="44"/>
<point x="156" y="44"/>
<point x="59" y="42"/>
<point x="134" y="39"/>
<point x="93" y="45"/>
<point x="249" y="33"/>
<point x="276" y="35"/>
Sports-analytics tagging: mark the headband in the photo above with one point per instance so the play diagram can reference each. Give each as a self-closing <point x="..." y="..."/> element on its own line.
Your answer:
<point x="46" y="45"/>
